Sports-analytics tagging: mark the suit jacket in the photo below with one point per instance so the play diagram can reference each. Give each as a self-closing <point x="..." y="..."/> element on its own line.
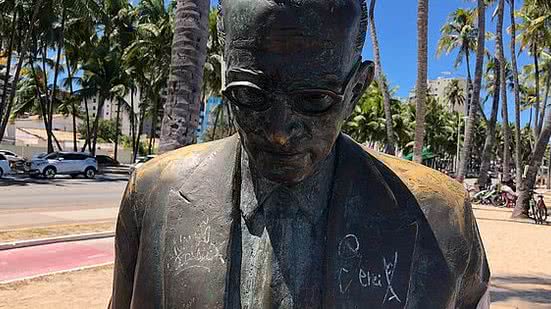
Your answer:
<point x="399" y="235"/>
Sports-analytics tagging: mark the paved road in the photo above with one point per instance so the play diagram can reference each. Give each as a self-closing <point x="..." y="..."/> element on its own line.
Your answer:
<point x="25" y="202"/>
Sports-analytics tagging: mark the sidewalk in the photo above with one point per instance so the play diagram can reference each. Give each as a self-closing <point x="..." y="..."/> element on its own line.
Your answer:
<point x="34" y="261"/>
<point x="519" y="254"/>
<point x="20" y="218"/>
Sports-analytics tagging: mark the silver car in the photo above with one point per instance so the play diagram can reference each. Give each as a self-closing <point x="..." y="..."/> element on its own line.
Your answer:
<point x="4" y="166"/>
<point x="67" y="163"/>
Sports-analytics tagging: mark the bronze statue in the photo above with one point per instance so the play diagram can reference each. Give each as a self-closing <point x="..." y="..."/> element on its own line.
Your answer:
<point x="290" y="213"/>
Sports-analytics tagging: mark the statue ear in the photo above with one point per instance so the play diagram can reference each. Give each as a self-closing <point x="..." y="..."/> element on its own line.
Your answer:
<point x="362" y="80"/>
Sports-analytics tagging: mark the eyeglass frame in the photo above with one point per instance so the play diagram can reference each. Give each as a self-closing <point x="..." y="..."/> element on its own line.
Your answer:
<point x="338" y="97"/>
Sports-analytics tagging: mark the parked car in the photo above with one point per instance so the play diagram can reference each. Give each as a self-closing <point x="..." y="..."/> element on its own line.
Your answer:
<point x="14" y="159"/>
<point x="67" y="163"/>
<point x="4" y="166"/>
<point x="106" y="164"/>
<point x="10" y="155"/>
<point x="39" y="155"/>
<point x="106" y="161"/>
<point x="139" y="162"/>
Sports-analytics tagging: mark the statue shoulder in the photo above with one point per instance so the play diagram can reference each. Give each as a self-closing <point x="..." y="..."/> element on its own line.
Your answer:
<point x="426" y="184"/>
<point x="442" y="199"/>
<point x="446" y="207"/>
<point x="174" y="166"/>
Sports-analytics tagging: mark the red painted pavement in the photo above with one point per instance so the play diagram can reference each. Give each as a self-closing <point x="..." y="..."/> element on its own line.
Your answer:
<point x="41" y="260"/>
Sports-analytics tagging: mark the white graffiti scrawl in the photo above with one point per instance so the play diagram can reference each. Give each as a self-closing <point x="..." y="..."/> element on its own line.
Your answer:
<point x="367" y="277"/>
<point x="194" y="251"/>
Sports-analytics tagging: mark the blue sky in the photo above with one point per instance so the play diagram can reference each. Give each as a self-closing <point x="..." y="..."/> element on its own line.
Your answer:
<point x="397" y="31"/>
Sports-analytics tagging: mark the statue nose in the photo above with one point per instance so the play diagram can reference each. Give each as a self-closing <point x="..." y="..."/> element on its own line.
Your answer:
<point x="280" y="138"/>
<point x="280" y="127"/>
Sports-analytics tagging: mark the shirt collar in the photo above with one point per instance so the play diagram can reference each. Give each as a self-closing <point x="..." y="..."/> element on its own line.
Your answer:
<point x="255" y="191"/>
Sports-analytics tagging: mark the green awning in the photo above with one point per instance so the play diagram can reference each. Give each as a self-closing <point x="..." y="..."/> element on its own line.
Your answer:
<point x="426" y="154"/>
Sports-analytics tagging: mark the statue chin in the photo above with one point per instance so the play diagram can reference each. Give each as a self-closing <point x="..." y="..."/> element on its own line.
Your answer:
<point x="286" y="170"/>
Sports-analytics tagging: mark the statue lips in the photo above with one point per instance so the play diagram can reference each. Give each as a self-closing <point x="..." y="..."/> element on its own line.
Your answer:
<point x="284" y="157"/>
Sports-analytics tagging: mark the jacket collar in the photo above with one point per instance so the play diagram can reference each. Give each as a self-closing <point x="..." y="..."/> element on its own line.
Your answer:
<point x="256" y="193"/>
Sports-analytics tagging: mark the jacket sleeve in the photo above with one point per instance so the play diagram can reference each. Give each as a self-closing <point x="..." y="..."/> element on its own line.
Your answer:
<point x="126" y="250"/>
<point x="474" y="293"/>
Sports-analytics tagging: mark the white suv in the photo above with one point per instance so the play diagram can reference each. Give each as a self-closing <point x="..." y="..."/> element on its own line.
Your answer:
<point x="4" y="166"/>
<point x="68" y="163"/>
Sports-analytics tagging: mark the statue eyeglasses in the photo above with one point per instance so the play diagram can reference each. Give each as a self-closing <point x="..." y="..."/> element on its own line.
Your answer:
<point x="249" y="96"/>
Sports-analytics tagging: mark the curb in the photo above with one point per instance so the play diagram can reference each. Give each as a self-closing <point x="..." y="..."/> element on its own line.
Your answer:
<point x="53" y="240"/>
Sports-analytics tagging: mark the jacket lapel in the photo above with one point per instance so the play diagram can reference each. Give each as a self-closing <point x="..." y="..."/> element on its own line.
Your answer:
<point x="371" y="236"/>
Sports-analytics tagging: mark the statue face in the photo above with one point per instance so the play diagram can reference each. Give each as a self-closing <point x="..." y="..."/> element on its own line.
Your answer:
<point x="293" y="76"/>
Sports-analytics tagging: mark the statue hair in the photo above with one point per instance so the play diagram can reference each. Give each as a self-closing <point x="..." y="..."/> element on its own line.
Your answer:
<point x="360" y="40"/>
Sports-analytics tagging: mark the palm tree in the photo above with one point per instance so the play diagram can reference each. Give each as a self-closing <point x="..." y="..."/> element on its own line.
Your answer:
<point x="503" y="94"/>
<point x="80" y="28"/>
<point x="421" y="88"/>
<point x="212" y="82"/>
<point x="189" y="51"/>
<point x="102" y="72"/>
<point x="9" y="6"/>
<point x="148" y="60"/>
<point x="390" y="147"/>
<point x="546" y="56"/>
<point x="455" y="94"/>
<point x="367" y="123"/>
<point x="516" y="92"/>
<point x="474" y="106"/>
<point x="535" y="35"/>
<point x="460" y="33"/>
<point x="493" y="86"/>
<point x="30" y="12"/>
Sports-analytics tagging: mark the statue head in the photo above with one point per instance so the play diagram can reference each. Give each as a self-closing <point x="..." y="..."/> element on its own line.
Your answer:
<point x="294" y="73"/>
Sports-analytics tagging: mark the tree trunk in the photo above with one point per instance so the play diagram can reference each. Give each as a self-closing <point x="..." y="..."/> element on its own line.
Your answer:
<point x="230" y="118"/>
<point x="548" y="182"/>
<point x="56" y="74"/>
<point x="490" y="131"/>
<point x="8" y="65"/>
<point x="153" y="127"/>
<point x="117" y="124"/>
<point x="469" y="99"/>
<point x="57" y="142"/>
<point x="546" y="97"/>
<point x="23" y="50"/>
<point x="140" y="131"/>
<point x="537" y="125"/>
<point x="87" y="141"/>
<point x="39" y="97"/>
<point x="189" y="51"/>
<point x="516" y="91"/>
<point x="132" y="121"/>
<point x="215" y="126"/>
<point x="101" y="102"/>
<point x="73" y="111"/>
<point x="473" y="110"/>
<point x="47" y="102"/>
<point x="527" y="184"/>
<point x="503" y="79"/>
<point x="381" y="81"/>
<point x="421" y="88"/>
